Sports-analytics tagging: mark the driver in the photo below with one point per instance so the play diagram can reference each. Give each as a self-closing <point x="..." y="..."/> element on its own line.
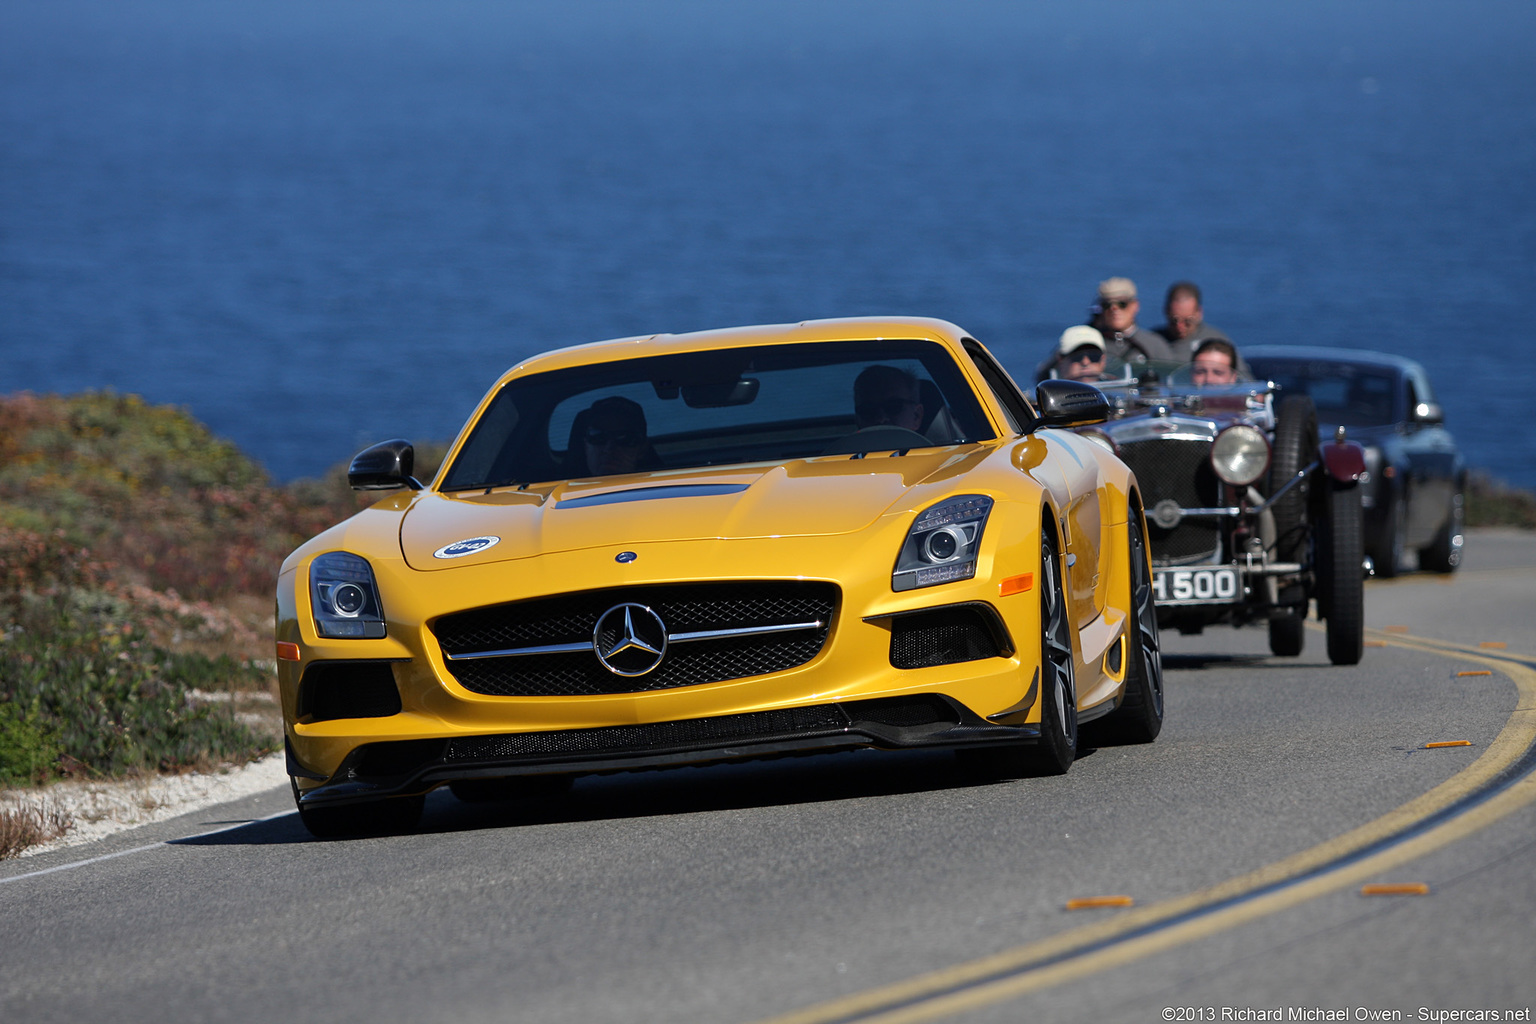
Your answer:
<point x="1215" y="362"/>
<point x="887" y="395"/>
<point x="614" y="437"/>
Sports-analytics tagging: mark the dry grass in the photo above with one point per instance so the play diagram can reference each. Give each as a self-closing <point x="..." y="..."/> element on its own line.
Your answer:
<point x="30" y="824"/>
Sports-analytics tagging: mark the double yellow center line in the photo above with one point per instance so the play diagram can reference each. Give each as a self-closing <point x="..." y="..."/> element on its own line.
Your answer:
<point x="1497" y="783"/>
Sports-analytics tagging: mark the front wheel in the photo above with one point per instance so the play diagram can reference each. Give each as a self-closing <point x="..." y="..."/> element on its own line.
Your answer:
<point x="1140" y="717"/>
<point x="1444" y="552"/>
<point x="1341" y="573"/>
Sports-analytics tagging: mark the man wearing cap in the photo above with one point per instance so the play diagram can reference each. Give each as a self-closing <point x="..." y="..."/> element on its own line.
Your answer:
<point x="1115" y="317"/>
<point x="1185" y="327"/>
<point x="1079" y="355"/>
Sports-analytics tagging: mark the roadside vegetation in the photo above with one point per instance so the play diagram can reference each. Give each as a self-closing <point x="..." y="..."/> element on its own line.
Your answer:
<point x="138" y="555"/>
<point x="1492" y="502"/>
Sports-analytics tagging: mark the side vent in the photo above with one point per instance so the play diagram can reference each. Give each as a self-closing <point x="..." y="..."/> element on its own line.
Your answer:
<point x="348" y="689"/>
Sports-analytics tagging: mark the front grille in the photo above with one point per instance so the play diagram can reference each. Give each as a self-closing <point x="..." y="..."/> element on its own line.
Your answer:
<point x="944" y="636"/>
<point x="1180" y="470"/>
<point x="684" y="608"/>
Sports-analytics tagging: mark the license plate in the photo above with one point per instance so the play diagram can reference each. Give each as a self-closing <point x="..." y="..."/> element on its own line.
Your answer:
<point x="1195" y="586"/>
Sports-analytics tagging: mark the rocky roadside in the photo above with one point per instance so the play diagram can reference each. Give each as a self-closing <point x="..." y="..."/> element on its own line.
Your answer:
<point x="88" y="811"/>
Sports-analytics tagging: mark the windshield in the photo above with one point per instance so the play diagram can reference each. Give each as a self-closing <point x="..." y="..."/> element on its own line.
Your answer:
<point x="771" y="403"/>
<point x="1347" y="394"/>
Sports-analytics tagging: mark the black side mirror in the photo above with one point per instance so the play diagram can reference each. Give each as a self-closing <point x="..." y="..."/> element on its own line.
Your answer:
<point x="1070" y="403"/>
<point x="384" y="467"/>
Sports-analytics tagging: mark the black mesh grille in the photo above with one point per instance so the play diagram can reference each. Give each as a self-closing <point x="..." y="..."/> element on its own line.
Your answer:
<point x="569" y="619"/>
<point x="348" y="689"/>
<point x="1179" y="470"/>
<point x="942" y="636"/>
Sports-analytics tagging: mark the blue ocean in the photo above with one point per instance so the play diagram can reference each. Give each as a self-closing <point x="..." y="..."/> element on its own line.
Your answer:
<point x="322" y="223"/>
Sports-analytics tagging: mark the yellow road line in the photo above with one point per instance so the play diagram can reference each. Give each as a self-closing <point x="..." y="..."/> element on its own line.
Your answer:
<point x="1275" y="887"/>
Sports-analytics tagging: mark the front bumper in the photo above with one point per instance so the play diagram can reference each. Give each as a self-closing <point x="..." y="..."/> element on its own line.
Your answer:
<point x="407" y="767"/>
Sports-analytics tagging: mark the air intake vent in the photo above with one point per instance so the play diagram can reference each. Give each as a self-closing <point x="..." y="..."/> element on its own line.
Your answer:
<point x="348" y="689"/>
<point x="946" y="636"/>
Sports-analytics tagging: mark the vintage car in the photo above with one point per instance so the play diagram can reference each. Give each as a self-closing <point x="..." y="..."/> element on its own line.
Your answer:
<point x="823" y="536"/>
<point x="1415" y="477"/>
<point x="1251" y="520"/>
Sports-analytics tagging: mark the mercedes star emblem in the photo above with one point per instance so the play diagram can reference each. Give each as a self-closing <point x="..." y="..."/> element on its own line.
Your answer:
<point x="629" y="639"/>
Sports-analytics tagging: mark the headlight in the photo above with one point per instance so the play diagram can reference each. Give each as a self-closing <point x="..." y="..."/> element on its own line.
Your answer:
<point x="1101" y="439"/>
<point x="345" y="597"/>
<point x="1240" y="455"/>
<point x="943" y="543"/>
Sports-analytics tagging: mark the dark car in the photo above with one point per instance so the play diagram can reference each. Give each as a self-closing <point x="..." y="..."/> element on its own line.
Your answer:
<point x="1415" y="476"/>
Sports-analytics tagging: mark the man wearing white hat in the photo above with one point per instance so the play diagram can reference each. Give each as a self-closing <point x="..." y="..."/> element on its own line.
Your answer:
<point x="1079" y="354"/>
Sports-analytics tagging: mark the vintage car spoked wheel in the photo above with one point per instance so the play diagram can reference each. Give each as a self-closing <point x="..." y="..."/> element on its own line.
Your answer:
<point x="1140" y="718"/>
<point x="1444" y="552"/>
<point x="374" y="818"/>
<point x="1295" y="450"/>
<point x="1057" y="747"/>
<point x="1340" y="569"/>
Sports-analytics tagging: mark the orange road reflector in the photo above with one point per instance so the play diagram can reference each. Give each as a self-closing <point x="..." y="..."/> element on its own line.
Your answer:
<point x="1397" y="629"/>
<point x="1016" y="584"/>
<point x="1475" y="672"/>
<point x="287" y="651"/>
<point x="1395" y="889"/>
<point x="1375" y="643"/>
<point x="1088" y="902"/>
<point x="1447" y="743"/>
<point x="1494" y="645"/>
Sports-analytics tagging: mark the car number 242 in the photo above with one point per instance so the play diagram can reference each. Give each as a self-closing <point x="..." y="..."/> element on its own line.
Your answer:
<point x="1195" y="586"/>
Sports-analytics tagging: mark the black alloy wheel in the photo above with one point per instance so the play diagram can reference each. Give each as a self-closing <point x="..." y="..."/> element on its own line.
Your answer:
<point x="1056" y="749"/>
<point x="1140" y="717"/>
<point x="1341" y="574"/>
<point x="1386" y="550"/>
<point x="393" y="816"/>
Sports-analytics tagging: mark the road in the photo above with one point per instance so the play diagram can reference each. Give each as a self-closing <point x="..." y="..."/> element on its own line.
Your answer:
<point x="889" y="888"/>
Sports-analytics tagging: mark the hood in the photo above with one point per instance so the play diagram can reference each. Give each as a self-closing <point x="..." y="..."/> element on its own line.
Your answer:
<point x="817" y="497"/>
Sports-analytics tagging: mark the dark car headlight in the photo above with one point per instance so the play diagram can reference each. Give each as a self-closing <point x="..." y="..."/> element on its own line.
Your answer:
<point x="345" y="597"/>
<point x="1240" y="454"/>
<point x="943" y="543"/>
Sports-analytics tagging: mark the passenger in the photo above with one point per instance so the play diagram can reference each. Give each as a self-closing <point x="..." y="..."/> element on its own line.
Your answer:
<point x="1215" y="362"/>
<point x="887" y="395"/>
<point x="1080" y="355"/>
<point x="614" y="437"/>
<point x="1115" y="317"/>
<point x="1184" y="324"/>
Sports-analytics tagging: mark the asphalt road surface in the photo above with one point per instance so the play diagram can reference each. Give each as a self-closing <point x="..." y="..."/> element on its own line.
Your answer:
<point x="870" y="887"/>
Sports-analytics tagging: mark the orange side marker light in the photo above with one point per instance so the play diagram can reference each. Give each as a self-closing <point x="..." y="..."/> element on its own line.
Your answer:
<point x="1494" y="645"/>
<point x="1395" y="889"/>
<point x="287" y="651"/>
<point x="1089" y="902"/>
<point x="1016" y="584"/>
<point x="1474" y="672"/>
<point x="1447" y="743"/>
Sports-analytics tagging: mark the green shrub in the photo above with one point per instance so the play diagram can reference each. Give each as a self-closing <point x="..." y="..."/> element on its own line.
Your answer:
<point x="29" y="745"/>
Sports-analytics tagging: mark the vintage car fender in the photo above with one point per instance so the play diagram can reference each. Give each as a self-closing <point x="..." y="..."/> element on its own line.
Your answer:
<point x="1344" y="460"/>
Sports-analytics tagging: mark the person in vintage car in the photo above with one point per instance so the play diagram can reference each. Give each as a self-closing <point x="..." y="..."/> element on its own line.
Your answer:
<point x="1415" y="476"/>
<point x="1215" y="362"/>
<point x="772" y="573"/>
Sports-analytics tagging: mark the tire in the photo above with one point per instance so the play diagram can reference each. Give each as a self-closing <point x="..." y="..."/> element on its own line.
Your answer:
<point x="1057" y="746"/>
<point x="1387" y="551"/>
<point x="394" y="816"/>
<point x="1340" y="572"/>
<point x="1444" y="552"/>
<point x="1287" y="636"/>
<point x="518" y="787"/>
<point x="1140" y="717"/>
<point x="1295" y="449"/>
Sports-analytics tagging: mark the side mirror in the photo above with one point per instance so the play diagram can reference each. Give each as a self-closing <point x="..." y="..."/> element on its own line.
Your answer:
<point x="1070" y="403"/>
<point x="384" y="467"/>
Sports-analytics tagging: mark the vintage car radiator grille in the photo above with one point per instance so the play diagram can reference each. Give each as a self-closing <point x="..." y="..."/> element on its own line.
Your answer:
<point x="683" y="608"/>
<point x="1177" y="469"/>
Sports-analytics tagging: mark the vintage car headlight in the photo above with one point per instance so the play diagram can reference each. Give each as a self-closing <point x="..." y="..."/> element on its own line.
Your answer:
<point x="943" y="543"/>
<point x="1240" y="454"/>
<point x="1101" y="439"/>
<point x="345" y="597"/>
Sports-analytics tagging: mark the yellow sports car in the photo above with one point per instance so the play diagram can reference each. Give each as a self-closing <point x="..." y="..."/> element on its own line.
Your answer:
<point x="719" y="546"/>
